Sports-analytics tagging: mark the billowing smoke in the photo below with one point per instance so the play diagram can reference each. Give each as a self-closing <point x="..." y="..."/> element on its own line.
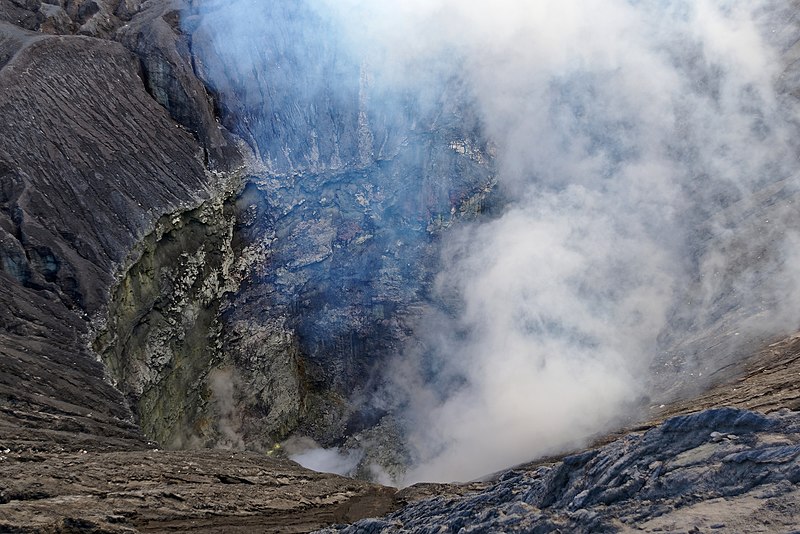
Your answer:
<point x="646" y="149"/>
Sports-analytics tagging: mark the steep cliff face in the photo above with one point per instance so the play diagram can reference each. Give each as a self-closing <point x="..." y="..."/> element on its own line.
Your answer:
<point x="111" y="226"/>
<point x="340" y="214"/>
<point x="237" y="312"/>
<point x="352" y="183"/>
<point x="89" y="163"/>
<point x="168" y="63"/>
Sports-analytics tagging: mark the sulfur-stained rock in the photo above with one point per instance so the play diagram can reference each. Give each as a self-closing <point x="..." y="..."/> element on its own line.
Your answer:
<point x="89" y="163"/>
<point x="215" y="255"/>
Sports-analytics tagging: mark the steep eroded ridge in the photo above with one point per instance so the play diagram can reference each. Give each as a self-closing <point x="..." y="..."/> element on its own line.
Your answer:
<point x="89" y="162"/>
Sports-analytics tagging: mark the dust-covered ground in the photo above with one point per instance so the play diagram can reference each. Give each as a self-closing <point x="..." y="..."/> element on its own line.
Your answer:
<point x="215" y="491"/>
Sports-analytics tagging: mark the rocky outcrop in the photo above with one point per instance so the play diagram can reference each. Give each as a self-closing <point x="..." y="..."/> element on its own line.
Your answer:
<point x="728" y="470"/>
<point x="693" y="467"/>
<point x="196" y="373"/>
<point x="101" y="202"/>
<point x="723" y="469"/>
<point x="97" y="18"/>
<point x="168" y="64"/>
<point x="160" y="491"/>
<point x="105" y="199"/>
<point x="351" y="185"/>
<point x="236" y="316"/>
<point x="89" y="163"/>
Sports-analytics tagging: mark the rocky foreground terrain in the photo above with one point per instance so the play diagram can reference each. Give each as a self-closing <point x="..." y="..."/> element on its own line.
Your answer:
<point x="155" y="249"/>
<point x="706" y="469"/>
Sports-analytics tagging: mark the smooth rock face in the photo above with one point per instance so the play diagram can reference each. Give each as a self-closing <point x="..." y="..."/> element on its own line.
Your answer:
<point x="722" y="469"/>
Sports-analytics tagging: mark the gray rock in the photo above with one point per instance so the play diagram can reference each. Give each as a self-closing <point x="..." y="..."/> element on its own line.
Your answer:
<point x="155" y="35"/>
<point x="201" y="491"/>
<point x="55" y="20"/>
<point x="96" y="18"/>
<point x="89" y="162"/>
<point x="675" y="474"/>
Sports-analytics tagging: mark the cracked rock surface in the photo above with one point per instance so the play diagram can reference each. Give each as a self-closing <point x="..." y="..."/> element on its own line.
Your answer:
<point x="88" y="163"/>
<point x="724" y="469"/>
<point x="179" y="491"/>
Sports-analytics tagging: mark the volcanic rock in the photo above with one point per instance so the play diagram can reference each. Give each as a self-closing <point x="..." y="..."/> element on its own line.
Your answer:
<point x="89" y="162"/>
<point x="676" y="477"/>
<point x="181" y="263"/>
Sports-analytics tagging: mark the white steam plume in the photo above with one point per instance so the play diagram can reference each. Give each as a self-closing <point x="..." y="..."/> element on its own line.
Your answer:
<point x="310" y="455"/>
<point x="623" y="128"/>
<point x="651" y="164"/>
